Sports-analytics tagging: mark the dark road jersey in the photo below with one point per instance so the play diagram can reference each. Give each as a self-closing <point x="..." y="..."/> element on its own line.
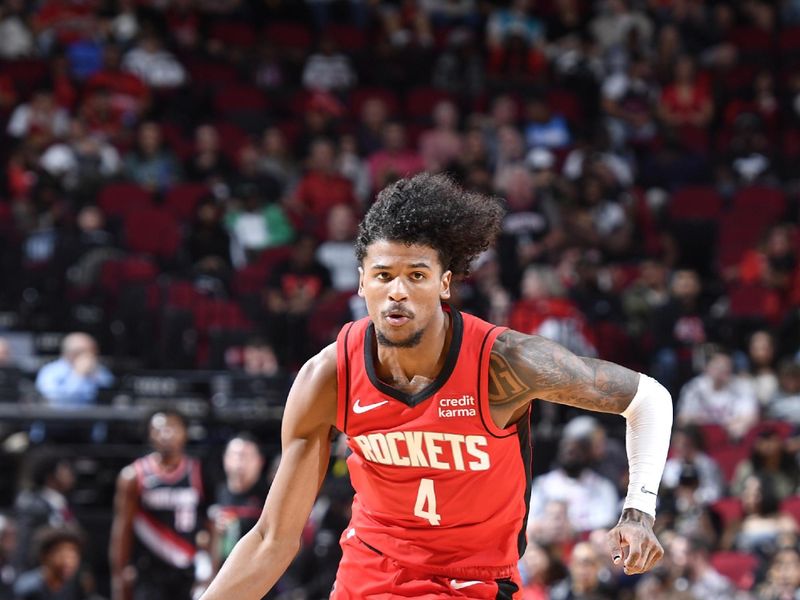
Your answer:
<point x="169" y="511"/>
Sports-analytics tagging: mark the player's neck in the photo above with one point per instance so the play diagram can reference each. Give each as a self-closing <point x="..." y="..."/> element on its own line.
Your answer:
<point x="400" y="366"/>
<point x="168" y="462"/>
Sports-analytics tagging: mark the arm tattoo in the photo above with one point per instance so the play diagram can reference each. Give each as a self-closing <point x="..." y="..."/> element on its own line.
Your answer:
<point x="504" y="385"/>
<point x="531" y="366"/>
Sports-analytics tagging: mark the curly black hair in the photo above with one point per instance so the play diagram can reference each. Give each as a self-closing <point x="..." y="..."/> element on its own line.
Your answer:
<point x="432" y="210"/>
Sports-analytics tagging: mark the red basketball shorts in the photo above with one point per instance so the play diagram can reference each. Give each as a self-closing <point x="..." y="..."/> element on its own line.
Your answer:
<point x="366" y="573"/>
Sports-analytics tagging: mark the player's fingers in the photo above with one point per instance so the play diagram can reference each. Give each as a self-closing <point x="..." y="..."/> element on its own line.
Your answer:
<point x="655" y="555"/>
<point x="615" y="545"/>
<point x="634" y="554"/>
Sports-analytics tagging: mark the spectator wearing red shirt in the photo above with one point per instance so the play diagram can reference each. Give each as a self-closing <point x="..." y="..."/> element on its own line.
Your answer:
<point x="128" y="93"/>
<point x="687" y="100"/>
<point x="544" y="310"/>
<point x="395" y="160"/>
<point x="320" y="189"/>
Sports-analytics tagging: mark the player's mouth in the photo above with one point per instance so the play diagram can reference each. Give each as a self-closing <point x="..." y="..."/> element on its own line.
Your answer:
<point x="397" y="317"/>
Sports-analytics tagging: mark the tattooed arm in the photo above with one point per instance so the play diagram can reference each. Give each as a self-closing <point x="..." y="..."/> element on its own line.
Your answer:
<point x="524" y="367"/>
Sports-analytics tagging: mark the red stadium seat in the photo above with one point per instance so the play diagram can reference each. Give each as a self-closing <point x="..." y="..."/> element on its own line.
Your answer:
<point x="182" y="295"/>
<point x="739" y="567"/>
<point x="695" y="203"/>
<point x="27" y="74"/>
<point x="728" y="458"/>
<point x="328" y="317"/>
<point x="714" y="436"/>
<point x="791" y="506"/>
<point x="231" y="138"/>
<point x="348" y="37"/>
<point x="754" y="301"/>
<point x="288" y="35"/>
<point x="250" y="280"/>
<point x="739" y="231"/>
<point x="730" y="510"/>
<point x="421" y="101"/>
<point x="119" y="199"/>
<point x="152" y="231"/>
<point x="115" y="274"/>
<point x="695" y="138"/>
<point x="271" y="257"/>
<point x="235" y="34"/>
<point x="789" y="40"/>
<point x="566" y="103"/>
<point x="176" y="140"/>
<point x="235" y="98"/>
<point x="753" y="43"/>
<point x="211" y="73"/>
<point x="182" y="199"/>
<point x="766" y="204"/>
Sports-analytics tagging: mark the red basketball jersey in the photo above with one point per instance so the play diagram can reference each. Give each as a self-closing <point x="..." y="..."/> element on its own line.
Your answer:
<point x="438" y="485"/>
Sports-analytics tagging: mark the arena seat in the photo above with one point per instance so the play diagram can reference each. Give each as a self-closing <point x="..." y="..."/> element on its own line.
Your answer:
<point x="728" y="458"/>
<point x="730" y="510"/>
<point x="695" y="203"/>
<point x="152" y="231"/>
<point x="182" y="199"/>
<point x="234" y="33"/>
<point x="739" y="567"/>
<point x="118" y="199"/>
<point x="348" y="37"/>
<point x="791" y="506"/>
<point x="289" y="35"/>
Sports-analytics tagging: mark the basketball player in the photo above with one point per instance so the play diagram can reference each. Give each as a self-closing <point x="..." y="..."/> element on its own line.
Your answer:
<point x="157" y="512"/>
<point x="436" y="407"/>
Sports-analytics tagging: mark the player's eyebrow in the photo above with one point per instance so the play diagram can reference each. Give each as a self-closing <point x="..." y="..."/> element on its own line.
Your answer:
<point x="419" y="265"/>
<point x="380" y="267"/>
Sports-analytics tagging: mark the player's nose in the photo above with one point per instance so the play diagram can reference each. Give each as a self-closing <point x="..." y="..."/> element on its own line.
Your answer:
<point x="397" y="290"/>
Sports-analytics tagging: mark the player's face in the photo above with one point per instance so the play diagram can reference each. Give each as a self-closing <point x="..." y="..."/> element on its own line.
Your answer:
<point x="167" y="434"/>
<point x="243" y="463"/>
<point x="403" y="287"/>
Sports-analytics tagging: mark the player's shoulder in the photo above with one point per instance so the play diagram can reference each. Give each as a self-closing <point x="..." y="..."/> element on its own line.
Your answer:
<point x="313" y="397"/>
<point x="509" y="342"/>
<point x="318" y="374"/>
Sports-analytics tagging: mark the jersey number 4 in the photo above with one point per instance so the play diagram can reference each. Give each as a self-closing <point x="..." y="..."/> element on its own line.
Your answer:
<point x="425" y="508"/>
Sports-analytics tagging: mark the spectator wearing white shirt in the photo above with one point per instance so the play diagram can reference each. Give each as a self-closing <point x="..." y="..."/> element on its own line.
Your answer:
<point x="328" y="70"/>
<point x="40" y="117"/>
<point x="717" y="396"/>
<point x="154" y="65"/>
<point x="687" y="448"/>
<point x="338" y="253"/>
<point x="16" y="39"/>
<point x="592" y="500"/>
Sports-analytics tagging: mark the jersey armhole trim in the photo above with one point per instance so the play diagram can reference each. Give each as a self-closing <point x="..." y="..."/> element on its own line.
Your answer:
<point x="483" y="386"/>
<point x="343" y="379"/>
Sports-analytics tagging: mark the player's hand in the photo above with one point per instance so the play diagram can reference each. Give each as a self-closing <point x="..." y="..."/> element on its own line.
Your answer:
<point x="633" y="541"/>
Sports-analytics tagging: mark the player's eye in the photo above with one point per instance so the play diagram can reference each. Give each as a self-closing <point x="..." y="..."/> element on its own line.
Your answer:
<point x="417" y="276"/>
<point x="382" y="276"/>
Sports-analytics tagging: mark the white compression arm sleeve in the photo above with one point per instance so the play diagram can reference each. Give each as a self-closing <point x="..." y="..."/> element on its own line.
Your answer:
<point x="649" y="425"/>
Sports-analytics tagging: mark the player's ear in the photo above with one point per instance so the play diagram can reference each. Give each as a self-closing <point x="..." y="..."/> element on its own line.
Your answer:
<point x="361" y="281"/>
<point x="444" y="292"/>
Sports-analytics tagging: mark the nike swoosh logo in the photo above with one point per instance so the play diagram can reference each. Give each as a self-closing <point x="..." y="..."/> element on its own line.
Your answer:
<point x="359" y="409"/>
<point x="644" y="491"/>
<point x="458" y="585"/>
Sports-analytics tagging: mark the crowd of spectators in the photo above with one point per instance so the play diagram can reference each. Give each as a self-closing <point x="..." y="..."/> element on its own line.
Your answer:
<point x="182" y="181"/>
